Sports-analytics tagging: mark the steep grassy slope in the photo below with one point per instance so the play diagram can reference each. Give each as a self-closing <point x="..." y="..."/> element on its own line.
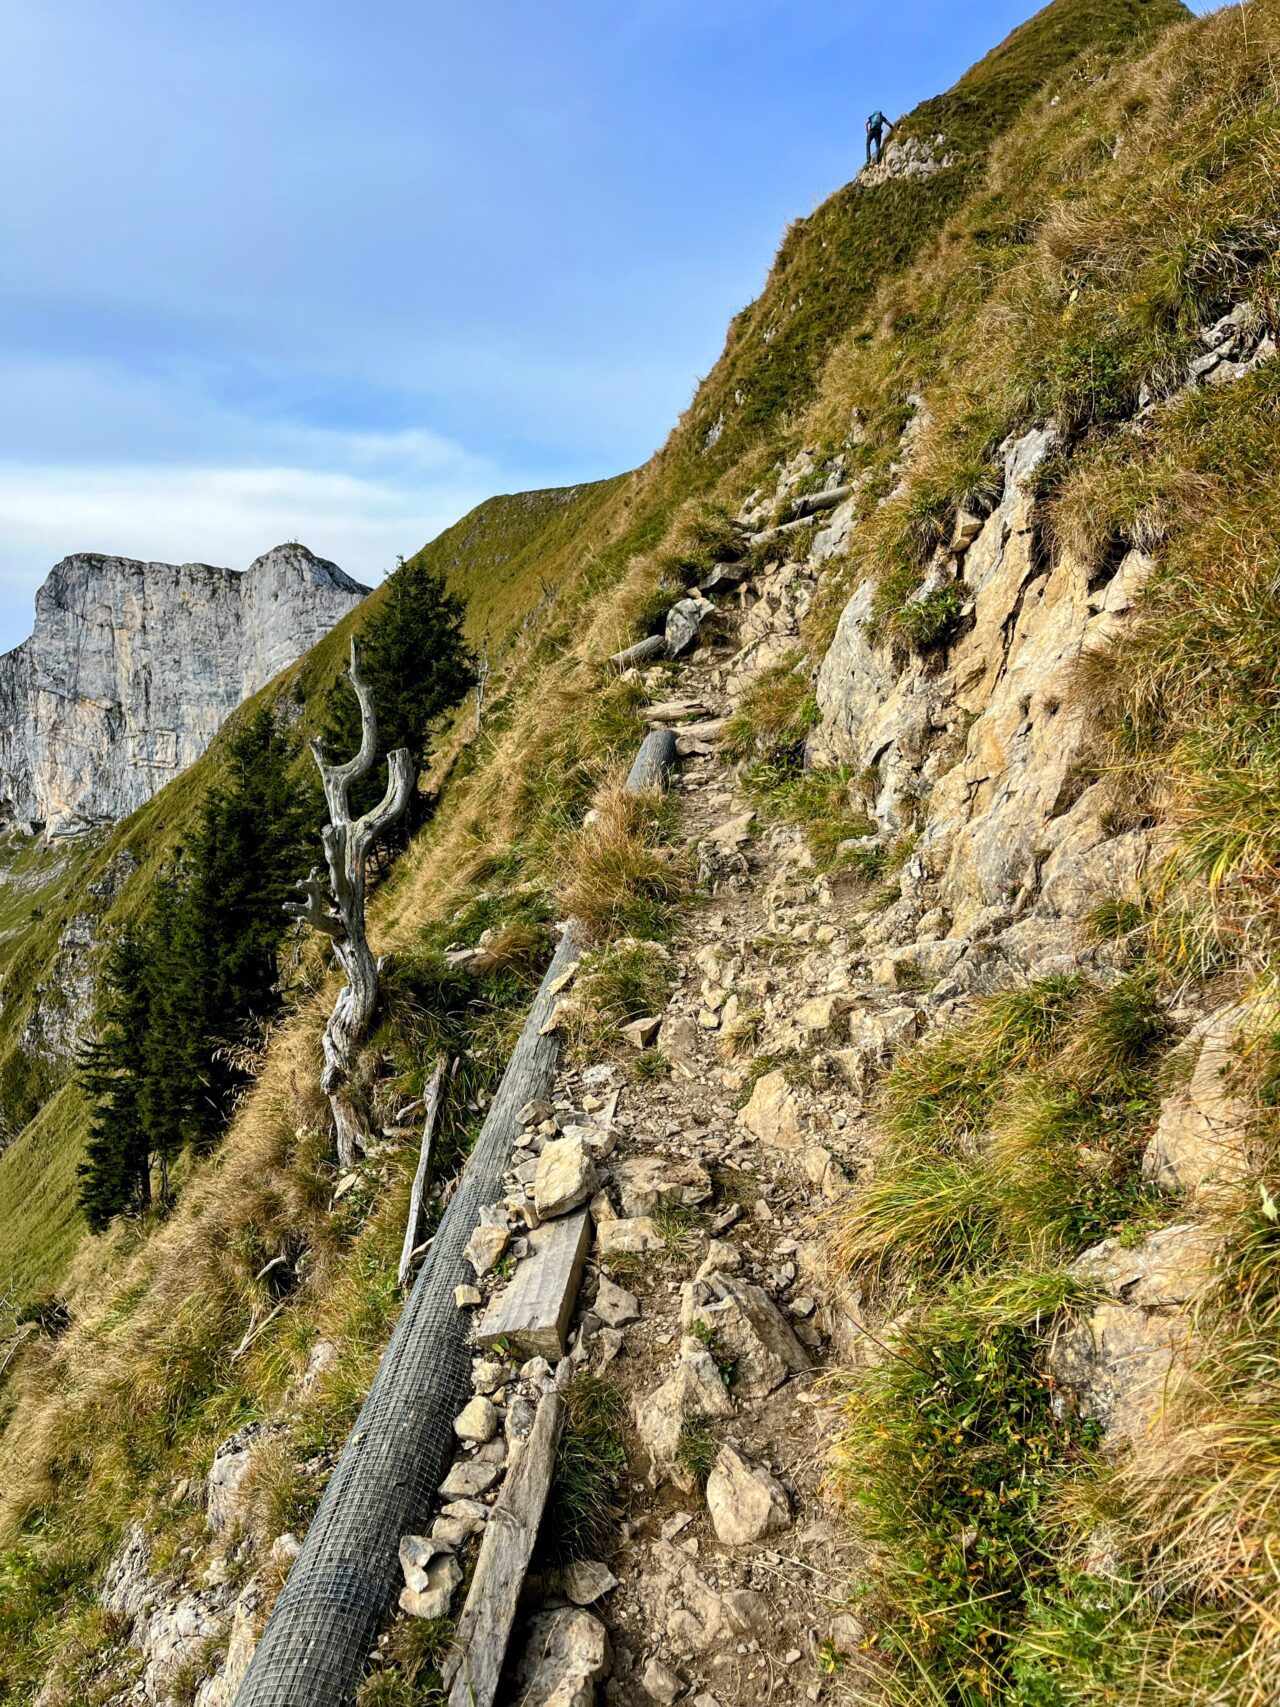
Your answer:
<point x="955" y="286"/>
<point x="41" y="1222"/>
<point x="504" y="556"/>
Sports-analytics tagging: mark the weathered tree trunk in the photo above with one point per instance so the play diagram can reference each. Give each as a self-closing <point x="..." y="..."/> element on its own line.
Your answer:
<point x="653" y="647"/>
<point x="340" y="912"/>
<point x="482" y="678"/>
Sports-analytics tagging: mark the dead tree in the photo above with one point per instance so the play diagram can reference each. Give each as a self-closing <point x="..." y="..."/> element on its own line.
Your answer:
<point x="482" y="678"/>
<point x="338" y="911"/>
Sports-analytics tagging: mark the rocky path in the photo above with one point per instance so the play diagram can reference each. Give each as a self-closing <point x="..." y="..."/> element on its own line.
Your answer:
<point x="699" y="1303"/>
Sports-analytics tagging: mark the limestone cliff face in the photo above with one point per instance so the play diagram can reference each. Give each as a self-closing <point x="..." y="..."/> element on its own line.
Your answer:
<point x="132" y="668"/>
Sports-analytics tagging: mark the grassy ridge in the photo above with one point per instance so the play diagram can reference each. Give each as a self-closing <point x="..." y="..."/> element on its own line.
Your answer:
<point x="142" y="1387"/>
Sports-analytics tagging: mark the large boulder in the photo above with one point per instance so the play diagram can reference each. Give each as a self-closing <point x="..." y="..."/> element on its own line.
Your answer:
<point x="748" y="1331"/>
<point x="1116" y="1364"/>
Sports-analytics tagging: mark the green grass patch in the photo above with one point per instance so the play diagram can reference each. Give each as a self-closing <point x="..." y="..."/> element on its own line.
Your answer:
<point x="593" y="1460"/>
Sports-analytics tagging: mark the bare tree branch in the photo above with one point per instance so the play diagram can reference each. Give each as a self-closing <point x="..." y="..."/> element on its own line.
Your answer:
<point x="346" y="848"/>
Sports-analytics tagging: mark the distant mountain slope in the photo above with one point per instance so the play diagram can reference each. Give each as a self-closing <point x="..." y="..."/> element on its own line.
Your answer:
<point x="133" y="667"/>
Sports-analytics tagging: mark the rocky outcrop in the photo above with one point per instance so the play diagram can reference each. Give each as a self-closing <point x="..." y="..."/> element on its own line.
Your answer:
<point x="981" y="737"/>
<point x="132" y="668"/>
<point x="914" y="157"/>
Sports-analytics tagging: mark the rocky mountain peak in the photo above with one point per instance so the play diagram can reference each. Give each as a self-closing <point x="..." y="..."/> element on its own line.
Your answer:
<point x="132" y="667"/>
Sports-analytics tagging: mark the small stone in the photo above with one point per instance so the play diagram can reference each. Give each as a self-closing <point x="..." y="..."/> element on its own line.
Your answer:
<point x="820" y="1013"/>
<point x="566" y="1177"/>
<point x="731" y="835"/>
<point x="462" y="1518"/>
<point x="633" y="1236"/>
<point x="485" y="1247"/>
<point x="791" y="1657"/>
<point x="640" y="1033"/>
<point x="696" y="1389"/>
<point x="587" y="1580"/>
<point x="602" y="1209"/>
<point x="416" y="1555"/>
<point x="605" y="1346"/>
<point x="476" y="1422"/>
<point x="847" y="1633"/>
<point x="663" y="1684"/>
<point x="453" y="1532"/>
<point x="517" y="1424"/>
<point x="614" y="1305"/>
<point x="772" y="1114"/>
<point x="536" y="1111"/>
<point x="675" y="1523"/>
<point x="746" y="1503"/>
<point x="442" y="1576"/>
<point x="647" y="1182"/>
<point x="469" y="1477"/>
<point x="467" y="1297"/>
<point x="721" y="1258"/>
<point x="748" y="1611"/>
<point x="488" y="1376"/>
<point x="536" y="1369"/>
<point x="284" y="1549"/>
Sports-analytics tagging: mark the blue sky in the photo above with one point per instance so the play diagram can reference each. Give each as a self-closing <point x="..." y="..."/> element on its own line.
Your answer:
<point x="330" y="272"/>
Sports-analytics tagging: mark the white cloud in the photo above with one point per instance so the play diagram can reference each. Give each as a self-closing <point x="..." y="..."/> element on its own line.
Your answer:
<point x="395" y="492"/>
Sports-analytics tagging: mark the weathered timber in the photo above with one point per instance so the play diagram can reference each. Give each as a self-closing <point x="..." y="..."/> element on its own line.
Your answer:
<point x="813" y="502"/>
<point x="413" y="1225"/>
<point x="534" y="1310"/>
<point x="346" y="846"/>
<point x="654" y="647"/>
<point x="676" y="710"/>
<point x="654" y="762"/>
<point x="767" y="534"/>
<point x="484" y="1630"/>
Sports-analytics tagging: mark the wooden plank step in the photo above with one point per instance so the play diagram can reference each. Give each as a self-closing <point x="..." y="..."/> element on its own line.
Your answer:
<point x="484" y="1630"/>
<point x="533" y="1312"/>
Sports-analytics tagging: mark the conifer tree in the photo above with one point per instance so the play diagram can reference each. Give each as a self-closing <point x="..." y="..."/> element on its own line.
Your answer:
<point x="418" y="664"/>
<point x="115" y="1175"/>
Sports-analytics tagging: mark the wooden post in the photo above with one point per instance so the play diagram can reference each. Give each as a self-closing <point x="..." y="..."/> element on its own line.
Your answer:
<point x="484" y="1629"/>
<point x="654" y="647"/>
<point x="414" y="1224"/>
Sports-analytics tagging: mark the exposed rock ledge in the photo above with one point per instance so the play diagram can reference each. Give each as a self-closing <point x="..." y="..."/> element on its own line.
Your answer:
<point x="132" y="668"/>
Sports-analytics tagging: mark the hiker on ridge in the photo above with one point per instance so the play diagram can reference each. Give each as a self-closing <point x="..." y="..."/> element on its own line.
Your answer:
<point x="878" y="128"/>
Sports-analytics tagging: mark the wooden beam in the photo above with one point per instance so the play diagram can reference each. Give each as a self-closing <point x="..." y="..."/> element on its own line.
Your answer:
<point x="654" y="647"/>
<point x="484" y="1630"/>
<point x="533" y="1312"/>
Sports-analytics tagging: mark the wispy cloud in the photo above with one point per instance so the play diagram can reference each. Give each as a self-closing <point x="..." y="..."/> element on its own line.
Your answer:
<point x="226" y="515"/>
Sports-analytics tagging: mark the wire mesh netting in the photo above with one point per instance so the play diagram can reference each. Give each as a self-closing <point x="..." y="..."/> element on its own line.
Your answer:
<point x="320" y="1634"/>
